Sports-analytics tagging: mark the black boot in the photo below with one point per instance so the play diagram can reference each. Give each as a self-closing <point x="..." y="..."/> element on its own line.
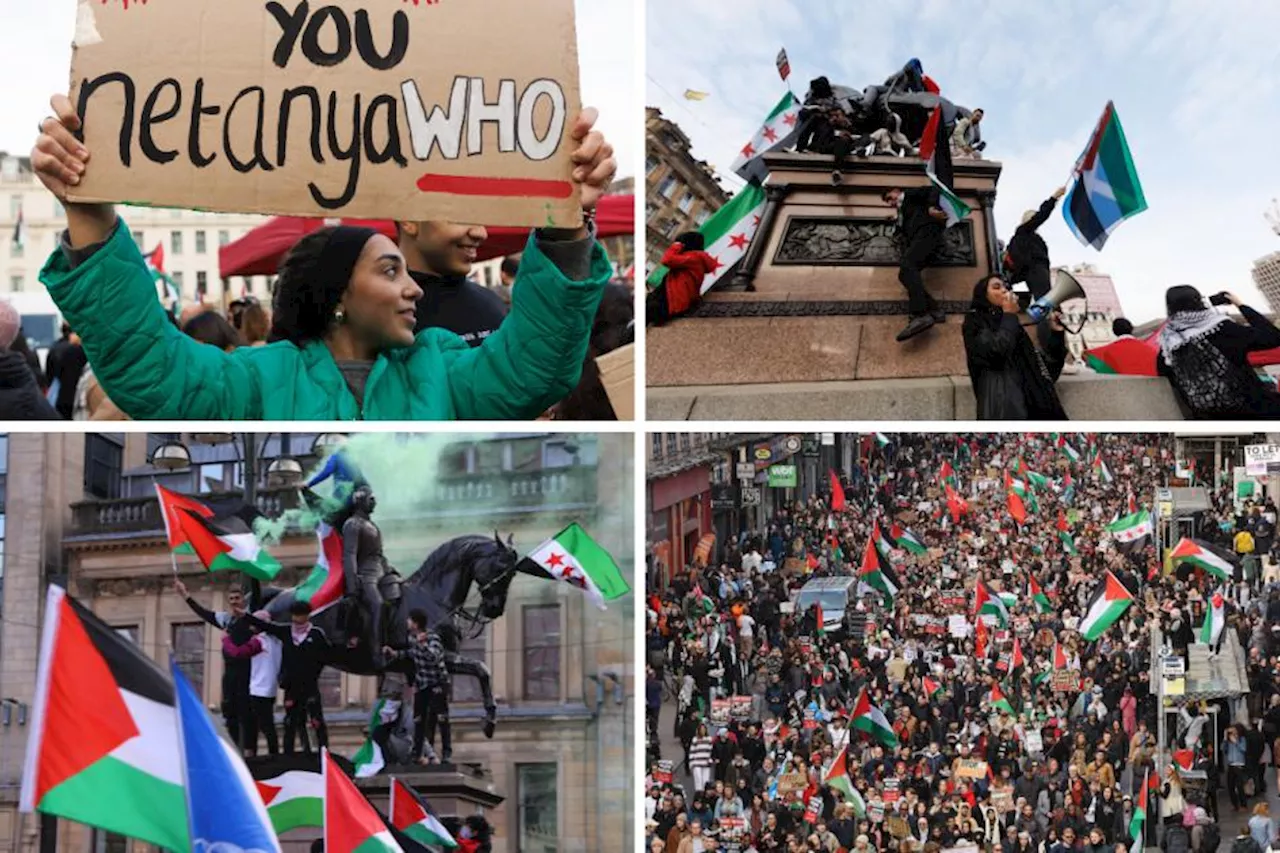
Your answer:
<point x="915" y="325"/>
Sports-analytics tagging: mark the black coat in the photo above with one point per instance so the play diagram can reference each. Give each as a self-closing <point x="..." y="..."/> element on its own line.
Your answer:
<point x="914" y="218"/>
<point x="1026" y="248"/>
<point x="469" y="310"/>
<point x="1004" y="367"/>
<point x="1252" y="398"/>
<point x="20" y="397"/>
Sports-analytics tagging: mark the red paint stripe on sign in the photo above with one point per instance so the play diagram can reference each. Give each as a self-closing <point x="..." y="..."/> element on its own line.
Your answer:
<point x="506" y="187"/>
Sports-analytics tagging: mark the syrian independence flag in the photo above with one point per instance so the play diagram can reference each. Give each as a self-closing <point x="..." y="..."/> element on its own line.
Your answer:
<point x="1100" y="468"/>
<point x="223" y="543"/>
<point x="1106" y="190"/>
<point x="1132" y="532"/>
<point x="873" y="573"/>
<point x="575" y="558"/>
<point x="985" y="602"/>
<point x="837" y="777"/>
<point x="411" y="815"/>
<point x="350" y="822"/>
<point x="907" y="540"/>
<point x="1215" y="619"/>
<point x="780" y="129"/>
<point x="837" y="494"/>
<point x="292" y="789"/>
<point x="1140" y="812"/>
<point x="323" y="586"/>
<point x="871" y="720"/>
<point x="997" y="700"/>
<point x="1108" y="604"/>
<point x="103" y="748"/>
<point x="1037" y="595"/>
<point x="727" y="234"/>
<point x="1215" y="561"/>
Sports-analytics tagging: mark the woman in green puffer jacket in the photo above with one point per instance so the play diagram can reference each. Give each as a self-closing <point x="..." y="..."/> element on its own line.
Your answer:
<point x="345" y="306"/>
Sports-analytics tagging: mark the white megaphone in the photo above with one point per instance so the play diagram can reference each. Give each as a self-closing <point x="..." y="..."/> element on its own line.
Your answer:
<point x="1065" y="288"/>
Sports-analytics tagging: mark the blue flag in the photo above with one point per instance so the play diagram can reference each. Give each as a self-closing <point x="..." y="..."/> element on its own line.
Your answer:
<point x="224" y="808"/>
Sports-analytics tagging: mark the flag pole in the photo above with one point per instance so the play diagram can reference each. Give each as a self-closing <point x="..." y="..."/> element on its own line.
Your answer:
<point x="173" y="558"/>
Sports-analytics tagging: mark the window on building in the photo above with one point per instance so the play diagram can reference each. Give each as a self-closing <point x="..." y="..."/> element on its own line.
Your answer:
<point x="490" y="456"/>
<point x="224" y="237"/>
<point x="702" y="217"/>
<point x="672" y="229"/>
<point x="175" y="242"/>
<point x="202" y="284"/>
<point x="560" y="452"/>
<point x="137" y="239"/>
<point x="17" y="283"/>
<point x="16" y="249"/>
<point x="655" y="445"/>
<point x="542" y="652"/>
<point x="108" y="842"/>
<point x="651" y="165"/>
<point x="103" y="460"/>
<point x="457" y="460"/>
<point x="187" y="641"/>
<point x="200" y="243"/>
<point x="667" y="188"/>
<point x="683" y="442"/>
<point x="537" y="787"/>
<point x="671" y="444"/>
<point x="330" y="684"/>
<point x="177" y="279"/>
<point x="129" y="632"/>
<point x="686" y="202"/>
<point x="466" y="688"/>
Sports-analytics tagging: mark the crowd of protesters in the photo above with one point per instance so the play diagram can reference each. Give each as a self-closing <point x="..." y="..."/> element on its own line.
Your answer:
<point x="1061" y="767"/>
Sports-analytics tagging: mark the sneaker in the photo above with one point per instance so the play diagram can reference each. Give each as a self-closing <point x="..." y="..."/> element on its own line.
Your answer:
<point x="917" y="324"/>
<point x="836" y="178"/>
<point x="939" y="316"/>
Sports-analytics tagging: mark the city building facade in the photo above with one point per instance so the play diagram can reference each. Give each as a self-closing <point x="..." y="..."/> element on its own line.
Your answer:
<point x="681" y="192"/>
<point x="1266" y="275"/>
<point x="87" y="518"/>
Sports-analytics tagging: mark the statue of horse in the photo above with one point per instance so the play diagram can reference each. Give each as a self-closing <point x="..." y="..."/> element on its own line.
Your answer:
<point x="439" y="587"/>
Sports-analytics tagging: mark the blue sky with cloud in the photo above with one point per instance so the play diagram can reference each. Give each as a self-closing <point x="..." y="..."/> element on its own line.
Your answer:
<point x="1197" y="87"/>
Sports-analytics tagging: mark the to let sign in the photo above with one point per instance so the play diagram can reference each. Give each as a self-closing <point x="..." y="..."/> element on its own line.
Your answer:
<point x="347" y="108"/>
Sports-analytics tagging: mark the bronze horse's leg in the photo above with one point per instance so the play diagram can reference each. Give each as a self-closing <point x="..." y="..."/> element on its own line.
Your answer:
<point x="458" y="665"/>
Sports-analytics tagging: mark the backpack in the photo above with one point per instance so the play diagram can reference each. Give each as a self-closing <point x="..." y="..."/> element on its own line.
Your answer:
<point x="1244" y="844"/>
<point x="1177" y="840"/>
<point x="1210" y="838"/>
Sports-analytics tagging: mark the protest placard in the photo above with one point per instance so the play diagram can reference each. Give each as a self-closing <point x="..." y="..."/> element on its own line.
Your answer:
<point x="814" y="810"/>
<point x="1032" y="741"/>
<point x="1002" y="799"/>
<point x="1065" y="680"/>
<point x="1022" y="626"/>
<point x="892" y="790"/>
<point x="897" y="826"/>
<point x="732" y="827"/>
<point x="663" y="772"/>
<point x="810" y="718"/>
<point x="788" y="782"/>
<point x="875" y="811"/>
<point x="958" y="625"/>
<point x="618" y="376"/>
<point x="971" y="768"/>
<point x="720" y="712"/>
<point x="456" y="111"/>
<point x="740" y="707"/>
<point x="806" y="644"/>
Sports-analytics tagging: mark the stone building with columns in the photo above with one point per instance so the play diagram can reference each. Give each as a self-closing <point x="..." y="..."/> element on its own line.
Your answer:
<point x="84" y="514"/>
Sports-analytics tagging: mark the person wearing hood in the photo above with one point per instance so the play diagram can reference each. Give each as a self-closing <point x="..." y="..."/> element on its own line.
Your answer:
<point x="1012" y="379"/>
<point x="1205" y="355"/>
<point x="681" y="288"/>
<point x="344" y="317"/>
<point x="20" y="397"/>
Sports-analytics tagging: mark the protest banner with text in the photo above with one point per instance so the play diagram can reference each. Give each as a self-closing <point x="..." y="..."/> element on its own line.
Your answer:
<point x="348" y="108"/>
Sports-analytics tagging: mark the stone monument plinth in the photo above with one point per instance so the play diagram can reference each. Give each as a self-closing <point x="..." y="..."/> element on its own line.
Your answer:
<point x="817" y="299"/>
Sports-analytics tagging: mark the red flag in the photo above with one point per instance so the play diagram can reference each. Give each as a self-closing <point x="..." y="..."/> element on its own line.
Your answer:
<point x="1016" y="508"/>
<point x="956" y="505"/>
<point x="980" y="640"/>
<point x="837" y="493"/>
<point x="821" y="621"/>
<point x="1062" y="522"/>
<point x="1018" y="660"/>
<point x="811" y="560"/>
<point x="1133" y="504"/>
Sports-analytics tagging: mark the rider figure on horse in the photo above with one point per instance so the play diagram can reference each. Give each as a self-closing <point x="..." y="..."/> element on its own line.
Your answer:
<point x="363" y="569"/>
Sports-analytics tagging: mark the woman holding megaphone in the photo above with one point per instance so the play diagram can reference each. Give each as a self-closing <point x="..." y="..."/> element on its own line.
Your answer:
<point x="1206" y="356"/>
<point x="1012" y="379"/>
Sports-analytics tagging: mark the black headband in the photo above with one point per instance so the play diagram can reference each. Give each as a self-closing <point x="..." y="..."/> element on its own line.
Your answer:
<point x="341" y="251"/>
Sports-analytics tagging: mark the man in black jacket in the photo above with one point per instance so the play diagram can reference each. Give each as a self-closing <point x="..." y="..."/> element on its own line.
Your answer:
<point x="921" y="222"/>
<point x="64" y="364"/>
<point x="304" y="653"/>
<point x="439" y="256"/>
<point x="1027" y="256"/>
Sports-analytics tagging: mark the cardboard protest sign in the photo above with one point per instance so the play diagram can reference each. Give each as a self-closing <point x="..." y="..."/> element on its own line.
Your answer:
<point x="897" y="826"/>
<point x="348" y="108"/>
<point x="618" y="376"/>
<point x="720" y="712"/>
<point x="971" y="768"/>
<point x="1002" y="799"/>
<point x="740" y="707"/>
<point x="1065" y="680"/>
<point x="788" y="782"/>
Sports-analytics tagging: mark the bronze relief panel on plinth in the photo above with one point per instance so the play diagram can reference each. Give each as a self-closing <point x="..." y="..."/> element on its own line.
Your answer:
<point x="832" y="241"/>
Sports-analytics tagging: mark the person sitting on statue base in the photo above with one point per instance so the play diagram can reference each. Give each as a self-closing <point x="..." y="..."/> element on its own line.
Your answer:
<point x="432" y="688"/>
<point x="363" y="567"/>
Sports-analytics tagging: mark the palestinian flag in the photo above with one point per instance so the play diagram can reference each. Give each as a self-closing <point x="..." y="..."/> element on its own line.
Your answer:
<point x="1068" y="486"/>
<point x="1068" y="542"/>
<point x="103" y="747"/>
<point x="871" y="720"/>
<point x="1108" y="604"/>
<point x="1215" y="619"/>
<point x="875" y="575"/>
<point x="1059" y="656"/>
<point x="820" y="619"/>
<point x="1184" y="758"/>
<point x="1217" y="562"/>
<point x="411" y="815"/>
<point x="350" y="822"/>
<point x="1100" y="468"/>
<point x="1140" y="812"/>
<point x="1065" y="447"/>
<point x="882" y="440"/>
<point x="780" y="129"/>
<point x="1106" y="190"/>
<point x="997" y="700"/>
<point x="1038" y="481"/>
<point x="323" y="586"/>
<point x="727" y="234"/>
<point x="837" y="493"/>
<point x="369" y="761"/>
<point x="837" y="777"/>
<point x="1037" y="595"/>
<point x="947" y="476"/>
<point x="575" y="558"/>
<point x="985" y="602"/>
<point x="293" y="797"/>
<point x="220" y="543"/>
<point x="883" y="545"/>
<point x="950" y="203"/>
<point x="907" y="540"/>
<point x="1133" y="532"/>
<point x="931" y="687"/>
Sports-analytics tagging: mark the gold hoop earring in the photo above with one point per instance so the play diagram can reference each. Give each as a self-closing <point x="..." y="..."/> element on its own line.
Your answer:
<point x="339" y="315"/>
